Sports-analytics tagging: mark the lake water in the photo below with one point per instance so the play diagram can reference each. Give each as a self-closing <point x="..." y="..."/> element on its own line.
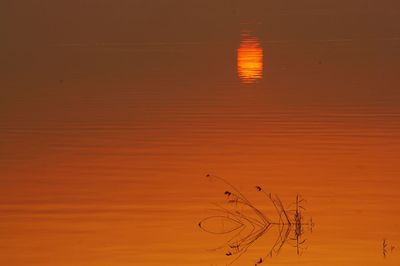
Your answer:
<point x="112" y="113"/>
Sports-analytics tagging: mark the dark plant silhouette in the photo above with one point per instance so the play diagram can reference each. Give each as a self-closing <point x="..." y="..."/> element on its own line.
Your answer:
<point x="248" y="224"/>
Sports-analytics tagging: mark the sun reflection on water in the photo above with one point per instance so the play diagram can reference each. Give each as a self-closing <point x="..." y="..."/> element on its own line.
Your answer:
<point x="250" y="59"/>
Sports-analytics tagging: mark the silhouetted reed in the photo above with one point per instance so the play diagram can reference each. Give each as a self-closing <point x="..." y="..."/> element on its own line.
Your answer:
<point x="246" y="216"/>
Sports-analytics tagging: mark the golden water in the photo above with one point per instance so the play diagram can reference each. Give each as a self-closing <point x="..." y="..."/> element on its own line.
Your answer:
<point x="113" y="112"/>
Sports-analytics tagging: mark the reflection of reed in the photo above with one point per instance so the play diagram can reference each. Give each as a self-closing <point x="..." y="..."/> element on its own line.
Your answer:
<point x="386" y="248"/>
<point x="249" y="224"/>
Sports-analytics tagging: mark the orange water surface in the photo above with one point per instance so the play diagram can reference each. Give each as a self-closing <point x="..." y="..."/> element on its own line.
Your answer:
<point x="112" y="113"/>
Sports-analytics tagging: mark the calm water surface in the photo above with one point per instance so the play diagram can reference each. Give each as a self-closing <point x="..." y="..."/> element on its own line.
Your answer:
<point x="113" y="112"/>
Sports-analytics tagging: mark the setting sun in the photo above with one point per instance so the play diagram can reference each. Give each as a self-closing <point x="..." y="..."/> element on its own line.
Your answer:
<point x="249" y="59"/>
